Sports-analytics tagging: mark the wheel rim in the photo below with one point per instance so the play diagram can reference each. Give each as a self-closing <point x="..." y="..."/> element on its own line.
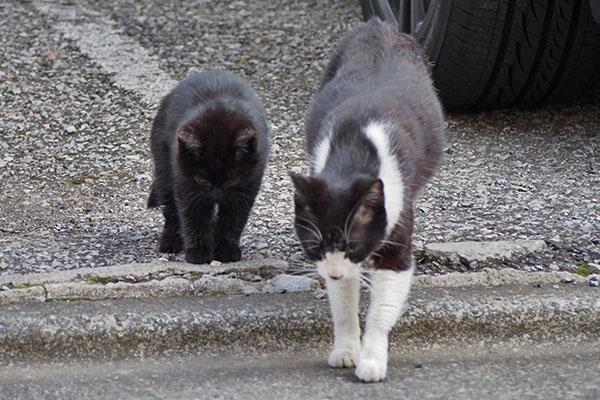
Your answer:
<point x="412" y="16"/>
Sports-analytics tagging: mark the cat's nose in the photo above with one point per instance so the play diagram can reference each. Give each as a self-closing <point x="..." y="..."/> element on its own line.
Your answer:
<point x="216" y="194"/>
<point x="335" y="275"/>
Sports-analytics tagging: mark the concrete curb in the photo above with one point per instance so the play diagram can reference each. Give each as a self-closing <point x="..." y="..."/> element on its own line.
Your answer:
<point x="158" y="279"/>
<point x="442" y="311"/>
<point x="173" y="279"/>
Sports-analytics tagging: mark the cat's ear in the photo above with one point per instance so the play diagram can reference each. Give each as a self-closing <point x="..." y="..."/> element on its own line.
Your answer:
<point x="301" y="184"/>
<point x="245" y="143"/>
<point x="370" y="203"/>
<point x="187" y="140"/>
<point x="373" y="196"/>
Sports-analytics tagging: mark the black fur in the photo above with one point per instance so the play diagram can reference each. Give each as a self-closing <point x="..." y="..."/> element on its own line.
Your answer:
<point x="210" y="145"/>
<point x="375" y="75"/>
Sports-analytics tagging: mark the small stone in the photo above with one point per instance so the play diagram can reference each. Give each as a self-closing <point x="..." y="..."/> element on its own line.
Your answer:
<point x="71" y="129"/>
<point x="215" y="263"/>
<point x="290" y="283"/>
<point x="594" y="268"/>
<point x="248" y="290"/>
<point x="555" y="286"/>
<point x="553" y="267"/>
<point x="320" y="294"/>
<point x="594" y="281"/>
<point x="483" y="251"/>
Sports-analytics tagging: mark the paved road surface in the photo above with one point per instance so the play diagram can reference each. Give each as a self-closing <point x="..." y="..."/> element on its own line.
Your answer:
<point x="502" y="372"/>
<point x="79" y="85"/>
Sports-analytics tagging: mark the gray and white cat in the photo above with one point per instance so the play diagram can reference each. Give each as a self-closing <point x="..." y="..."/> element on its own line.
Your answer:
<point x="374" y="136"/>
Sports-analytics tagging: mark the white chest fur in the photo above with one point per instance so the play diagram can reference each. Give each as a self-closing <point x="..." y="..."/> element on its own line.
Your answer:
<point x="389" y="170"/>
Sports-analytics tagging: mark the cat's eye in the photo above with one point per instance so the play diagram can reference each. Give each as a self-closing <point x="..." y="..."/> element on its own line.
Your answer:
<point x="231" y="183"/>
<point x="355" y="252"/>
<point x="300" y="207"/>
<point x="201" y="181"/>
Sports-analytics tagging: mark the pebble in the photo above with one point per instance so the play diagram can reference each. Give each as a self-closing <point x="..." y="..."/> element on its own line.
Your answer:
<point x="594" y="281"/>
<point x="553" y="267"/>
<point x="594" y="268"/>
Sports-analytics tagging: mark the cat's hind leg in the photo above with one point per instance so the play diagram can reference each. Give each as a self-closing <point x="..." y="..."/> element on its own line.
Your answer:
<point x="343" y="297"/>
<point x="389" y="291"/>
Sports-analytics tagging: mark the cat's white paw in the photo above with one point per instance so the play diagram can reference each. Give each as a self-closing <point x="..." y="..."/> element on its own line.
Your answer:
<point x="371" y="370"/>
<point x="343" y="358"/>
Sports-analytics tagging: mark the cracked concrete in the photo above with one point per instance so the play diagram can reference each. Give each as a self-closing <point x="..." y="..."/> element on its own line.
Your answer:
<point x="172" y="279"/>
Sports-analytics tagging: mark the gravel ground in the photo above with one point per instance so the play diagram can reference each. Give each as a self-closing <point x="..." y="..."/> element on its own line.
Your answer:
<point x="75" y="166"/>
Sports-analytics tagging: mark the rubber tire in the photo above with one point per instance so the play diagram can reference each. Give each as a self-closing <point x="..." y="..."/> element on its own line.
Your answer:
<point x="490" y="54"/>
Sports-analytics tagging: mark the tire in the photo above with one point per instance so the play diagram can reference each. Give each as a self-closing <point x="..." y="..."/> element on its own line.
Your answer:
<point x="490" y="54"/>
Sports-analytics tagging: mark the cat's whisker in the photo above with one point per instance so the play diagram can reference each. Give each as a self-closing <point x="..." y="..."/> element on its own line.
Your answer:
<point x="195" y="202"/>
<point x="316" y="230"/>
<point x="309" y="229"/>
<point x="311" y="241"/>
<point x="240" y="199"/>
<point x="357" y="241"/>
<point x="307" y="271"/>
<point x="391" y="243"/>
<point x="313" y="247"/>
<point x="348" y="230"/>
<point x="365" y="281"/>
<point x="311" y="274"/>
<point x="365" y="278"/>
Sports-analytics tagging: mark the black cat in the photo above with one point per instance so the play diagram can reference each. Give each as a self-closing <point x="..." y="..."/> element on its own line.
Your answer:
<point x="210" y="144"/>
<point x="374" y="136"/>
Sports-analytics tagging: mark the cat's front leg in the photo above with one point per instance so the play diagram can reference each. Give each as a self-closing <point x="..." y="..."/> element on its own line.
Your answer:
<point x="389" y="291"/>
<point x="196" y="216"/>
<point x="343" y="297"/>
<point x="231" y="219"/>
<point x="170" y="239"/>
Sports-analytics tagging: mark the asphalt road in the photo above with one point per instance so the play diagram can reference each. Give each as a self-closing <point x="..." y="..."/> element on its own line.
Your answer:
<point x="501" y="372"/>
<point x="506" y="342"/>
<point x="79" y="85"/>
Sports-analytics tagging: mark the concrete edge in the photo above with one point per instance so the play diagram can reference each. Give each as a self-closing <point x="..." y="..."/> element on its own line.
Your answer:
<point x="172" y="279"/>
<point x="142" y="271"/>
<point x="451" y="316"/>
<point x="156" y="279"/>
